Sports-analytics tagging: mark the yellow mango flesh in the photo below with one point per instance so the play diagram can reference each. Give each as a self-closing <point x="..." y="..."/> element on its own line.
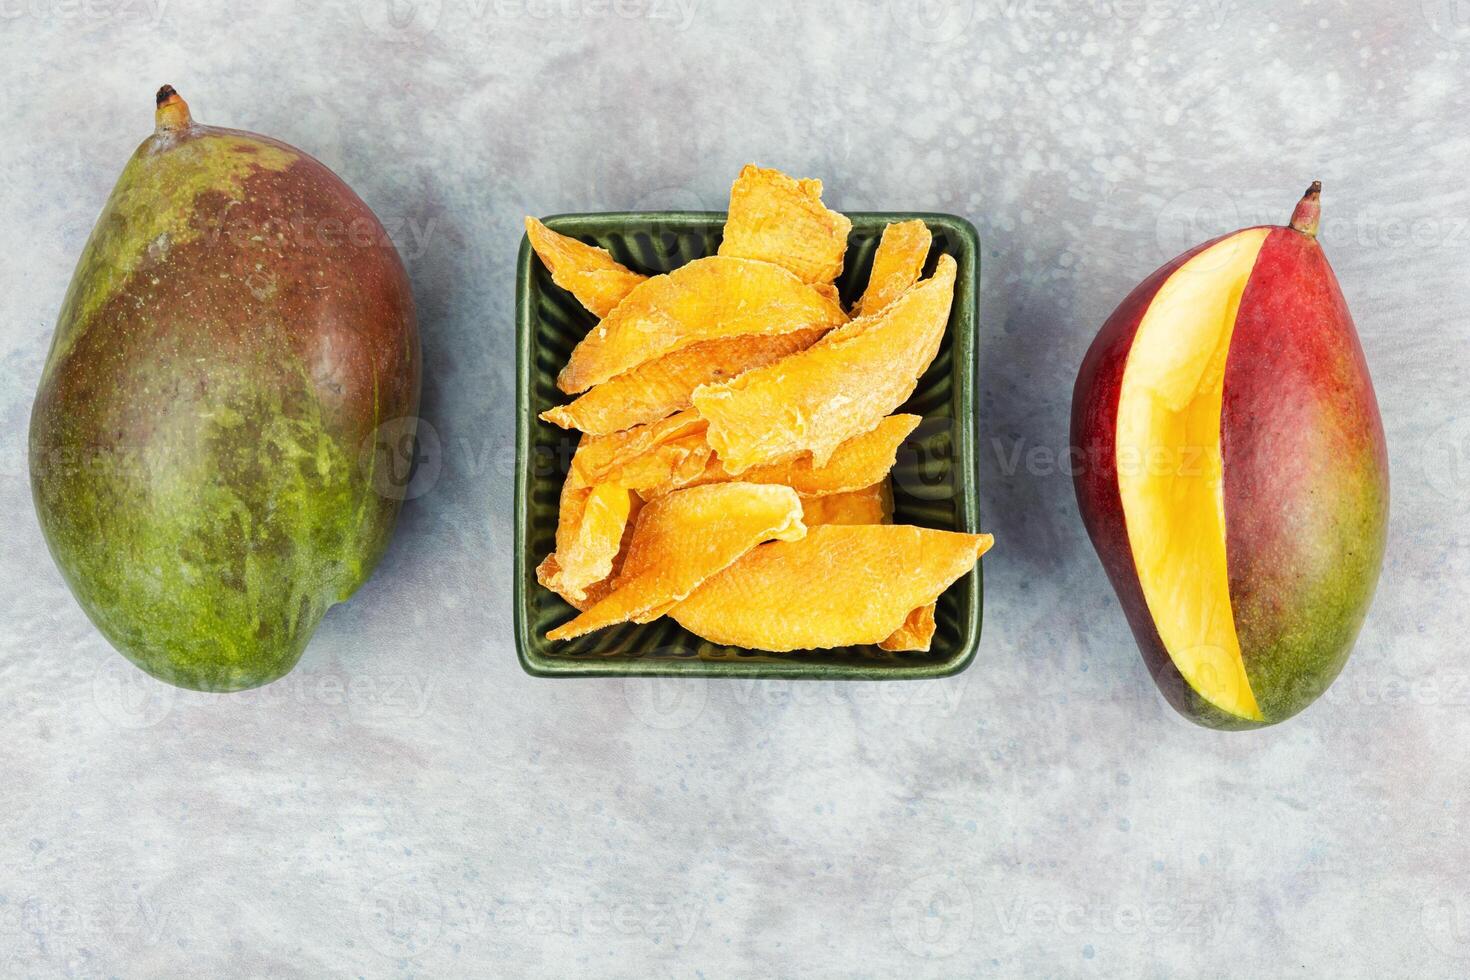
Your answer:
<point x="706" y="299"/>
<point x="1169" y="467"/>
<point x="597" y="280"/>
<point x="682" y="539"/>
<point x="841" y="584"/>
<point x="841" y="386"/>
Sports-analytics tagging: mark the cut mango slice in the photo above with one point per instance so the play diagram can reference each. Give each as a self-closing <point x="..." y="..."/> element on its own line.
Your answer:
<point x="870" y="505"/>
<point x="664" y="385"/>
<point x="680" y="540"/>
<point x="816" y="399"/>
<point x="916" y="633"/>
<point x="841" y="584"/>
<point x="1170" y="466"/>
<point x="589" y="273"/>
<point x="707" y="299"/>
<point x="775" y="218"/>
<point x="588" y="556"/>
<point x="897" y="264"/>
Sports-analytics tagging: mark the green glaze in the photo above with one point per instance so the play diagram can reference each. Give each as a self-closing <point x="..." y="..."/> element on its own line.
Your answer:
<point x="934" y="480"/>
<point x="203" y="456"/>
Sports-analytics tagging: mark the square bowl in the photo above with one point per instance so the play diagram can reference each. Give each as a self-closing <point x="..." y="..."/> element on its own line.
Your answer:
<point x="934" y="480"/>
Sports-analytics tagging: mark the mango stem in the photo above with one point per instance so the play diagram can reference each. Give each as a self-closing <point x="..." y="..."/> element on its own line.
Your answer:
<point x="1308" y="213"/>
<point x="172" y="114"/>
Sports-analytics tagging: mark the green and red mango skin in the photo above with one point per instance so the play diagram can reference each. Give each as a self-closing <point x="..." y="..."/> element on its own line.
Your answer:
<point x="201" y="444"/>
<point x="1305" y="474"/>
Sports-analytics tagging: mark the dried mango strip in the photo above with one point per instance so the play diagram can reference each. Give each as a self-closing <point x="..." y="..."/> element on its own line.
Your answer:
<point x="870" y="505"/>
<point x="667" y="454"/>
<point x="916" y="633"/>
<point x="841" y="584"/>
<point x="707" y="299"/>
<point x="680" y="540"/>
<point x="662" y="386"/>
<point x="588" y="556"/>
<point x="859" y="462"/>
<point x="843" y="385"/>
<point x="775" y="218"/>
<point x="589" y="273"/>
<point x="897" y="264"/>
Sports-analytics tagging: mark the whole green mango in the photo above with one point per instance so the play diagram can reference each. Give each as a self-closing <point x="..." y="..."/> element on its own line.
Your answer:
<point x="205" y="443"/>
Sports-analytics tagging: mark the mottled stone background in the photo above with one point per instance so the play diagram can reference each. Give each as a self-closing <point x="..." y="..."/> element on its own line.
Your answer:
<point x="409" y="803"/>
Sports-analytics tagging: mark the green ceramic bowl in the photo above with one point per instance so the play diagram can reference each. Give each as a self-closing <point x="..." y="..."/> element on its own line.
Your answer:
<point x="933" y="481"/>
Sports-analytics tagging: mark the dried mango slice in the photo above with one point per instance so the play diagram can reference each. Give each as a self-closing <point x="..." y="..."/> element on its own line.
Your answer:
<point x="588" y="557"/>
<point x="859" y="462"/>
<point x="843" y="385"/>
<point x="916" y="633"/>
<point x="682" y="539"/>
<point x="707" y="299"/>
<point x="897" y="264"/>
<point x="568" y="518"/>
<point x="595" y="278"/>
<point x="548" y="570"/>
<point x="775" y="218"/>
<point x="841" y="584"/>
<point x="870" y="505"/>
<point x="667" y="454"/>
<point x="573" y="506"/>
<point x="659" y="387"/>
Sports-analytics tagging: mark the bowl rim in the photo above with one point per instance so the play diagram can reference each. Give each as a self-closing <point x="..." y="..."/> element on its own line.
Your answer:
<point x="964" y="322"/>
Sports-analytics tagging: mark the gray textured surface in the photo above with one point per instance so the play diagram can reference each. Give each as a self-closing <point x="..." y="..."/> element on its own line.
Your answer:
<point x="408" y="802"/>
